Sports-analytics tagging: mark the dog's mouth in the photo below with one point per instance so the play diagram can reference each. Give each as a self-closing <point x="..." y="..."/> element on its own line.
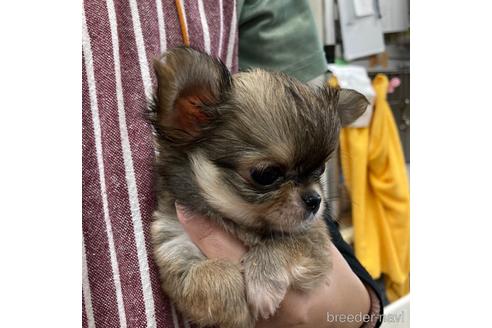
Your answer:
<point x="267" y="229"/>
<point x="310" y="217"/>
<point x="279" y="221"/>
<point x="294" y="227"/>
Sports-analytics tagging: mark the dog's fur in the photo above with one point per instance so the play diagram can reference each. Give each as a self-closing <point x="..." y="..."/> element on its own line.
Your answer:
<point x="212" y="130"/>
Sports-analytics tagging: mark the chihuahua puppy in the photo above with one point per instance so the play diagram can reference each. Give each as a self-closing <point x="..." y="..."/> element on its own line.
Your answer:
<point x="247" y="151"/>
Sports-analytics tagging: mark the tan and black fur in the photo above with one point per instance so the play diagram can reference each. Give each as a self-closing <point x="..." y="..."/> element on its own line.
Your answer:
<point x="217" y="135"/>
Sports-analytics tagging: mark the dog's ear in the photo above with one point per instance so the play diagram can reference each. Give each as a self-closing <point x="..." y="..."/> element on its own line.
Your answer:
<point x="190" y="85"/>
<point x="351" y="105"/>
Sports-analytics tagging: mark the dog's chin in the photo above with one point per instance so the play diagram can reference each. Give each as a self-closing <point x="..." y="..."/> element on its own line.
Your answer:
<point x="300" y="225"/>
<point x="280" y="227"/>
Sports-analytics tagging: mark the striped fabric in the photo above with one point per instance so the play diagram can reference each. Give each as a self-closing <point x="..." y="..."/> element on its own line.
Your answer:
<point x="120" y="281"/>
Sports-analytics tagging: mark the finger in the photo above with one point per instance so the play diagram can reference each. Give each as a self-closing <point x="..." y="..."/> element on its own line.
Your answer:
<point x="197" y="226"/>
<point x="211" y="239"/>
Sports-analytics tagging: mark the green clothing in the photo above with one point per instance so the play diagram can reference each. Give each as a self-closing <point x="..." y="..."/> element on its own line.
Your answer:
<point x="280" y="35"/>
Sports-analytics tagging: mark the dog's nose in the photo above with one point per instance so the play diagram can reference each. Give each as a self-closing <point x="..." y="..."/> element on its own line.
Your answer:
<point x="311" y="200"/>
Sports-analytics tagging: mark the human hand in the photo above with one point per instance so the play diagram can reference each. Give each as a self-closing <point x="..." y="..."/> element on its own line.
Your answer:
<point x="210" y="238"/>
<point x="342" y="293"/>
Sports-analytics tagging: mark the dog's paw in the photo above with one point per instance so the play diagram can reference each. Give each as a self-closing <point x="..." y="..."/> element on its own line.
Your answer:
<point x="265" y="289"/>
<point x="263" y="301"/>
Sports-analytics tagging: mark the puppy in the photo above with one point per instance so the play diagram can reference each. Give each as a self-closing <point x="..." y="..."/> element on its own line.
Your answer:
<point x="247" y="151"/>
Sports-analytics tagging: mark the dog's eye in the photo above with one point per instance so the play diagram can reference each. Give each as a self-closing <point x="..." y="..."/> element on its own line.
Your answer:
<point x="266" y="176"/>
<point x="319" y="171"/>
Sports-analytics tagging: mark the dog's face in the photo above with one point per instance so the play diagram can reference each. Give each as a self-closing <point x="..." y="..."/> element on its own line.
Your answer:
<point x="250" y="147"/>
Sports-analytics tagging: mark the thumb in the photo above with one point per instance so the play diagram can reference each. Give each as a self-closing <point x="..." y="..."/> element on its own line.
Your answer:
<point x="211" y="239"/>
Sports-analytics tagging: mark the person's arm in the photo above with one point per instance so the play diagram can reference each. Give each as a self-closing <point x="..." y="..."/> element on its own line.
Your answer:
<point x="280" y="36"/>
<point x="349" y="256"/>
<point x="342" y="294"/>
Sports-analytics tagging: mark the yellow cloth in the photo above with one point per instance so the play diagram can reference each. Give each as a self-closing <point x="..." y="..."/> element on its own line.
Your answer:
<point x="375" y="174"/>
